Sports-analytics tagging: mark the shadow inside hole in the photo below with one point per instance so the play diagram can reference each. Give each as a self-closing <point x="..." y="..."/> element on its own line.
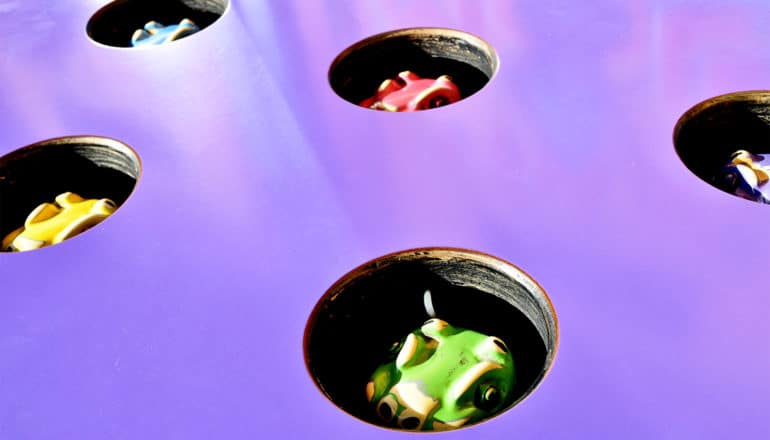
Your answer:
<point x="358" y="72"/>
<point x="37" y="174"/>
<point x="707" y="136"/>
<point x="114" y="24"/>
<point x="351" y="335"/>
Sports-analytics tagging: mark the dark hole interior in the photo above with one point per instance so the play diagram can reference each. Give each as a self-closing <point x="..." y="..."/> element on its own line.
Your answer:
<point x="114" y="24"/>
<point x="350" y="336"/>
<point x="411" y="423"/>
<point x="357" y="75"/>
<point x="37" y="174"/>
<point x="706" y="139"/>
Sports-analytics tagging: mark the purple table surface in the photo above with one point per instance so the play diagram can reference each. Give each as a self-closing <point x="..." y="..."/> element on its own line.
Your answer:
<point x="181" y="317"/>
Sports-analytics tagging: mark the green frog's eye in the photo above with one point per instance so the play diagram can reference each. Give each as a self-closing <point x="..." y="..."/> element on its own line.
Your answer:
<point x="487" y="397"/>
<point x="500" y="344"/>
<point x="386" y="409"/>
<point x="385" y="412"/>
<point x="410" y="423"/>
<point x="410" y="419"/>
<point x="395" y="348"/>
<point x="434" y="327"/>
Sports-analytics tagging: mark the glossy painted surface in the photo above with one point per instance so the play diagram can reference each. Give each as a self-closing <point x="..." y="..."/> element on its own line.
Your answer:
<point x="409" y="92"/>
<point x="53" y="222"/>
<point x="746" y="175"/>
<point x="155" y="34"/>
<point x="562" y="165"/>
<point x="442" y="377"/>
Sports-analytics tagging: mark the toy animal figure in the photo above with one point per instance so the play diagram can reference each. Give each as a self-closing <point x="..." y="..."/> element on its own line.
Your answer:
<point x="52" y="223"/>
<point x="746" y="176"/>
<point x="155" y="34"/>
<point x="442" y="378"/>
<point x="409" y="92"/>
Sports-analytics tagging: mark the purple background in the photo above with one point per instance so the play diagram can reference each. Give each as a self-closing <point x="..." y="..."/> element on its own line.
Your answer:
<point x="181" y="317"/>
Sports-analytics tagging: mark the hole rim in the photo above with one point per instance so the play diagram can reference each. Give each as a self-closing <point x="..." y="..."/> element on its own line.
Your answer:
<point x="105" y="9"/>
<point x="504" y="267"/>
<point x="422" y="34"/>
<point x="132" y="166"/>
<point x="700" y="112"/>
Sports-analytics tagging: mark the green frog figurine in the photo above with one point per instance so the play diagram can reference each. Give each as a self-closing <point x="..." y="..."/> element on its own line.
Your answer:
<point x="442" y="378"/>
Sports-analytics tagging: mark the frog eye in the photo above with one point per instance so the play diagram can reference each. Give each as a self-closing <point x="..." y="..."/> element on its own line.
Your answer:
<point x="487" y="397"/>
<point x="407" y="75"/>
<point x="386" y="409"/>
<point x="493" y="344"/>
<point x="500" y="344"/>
<point x="22" y="243"/>
<point x="433" y="326"/>
<point x="109" y="204"/>
<point x="437" y="101"/>
<point x="410" y="419"/>
<point x="730" y="180"/>
<point x="400" y="81"/>
<point x="416" y="349"/>
<point x="408" y="350"/>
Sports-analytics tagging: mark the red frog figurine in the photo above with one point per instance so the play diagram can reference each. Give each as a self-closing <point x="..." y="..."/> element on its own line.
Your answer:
<point x="409" y="92"/>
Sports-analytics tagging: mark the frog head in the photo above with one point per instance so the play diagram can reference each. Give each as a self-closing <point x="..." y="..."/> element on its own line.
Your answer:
<point x="155" y="34"/>
<point x="442" y="377"/>
<point x="52" y="223"/>
<point x="409" y="92"/>
<point x="746" y="175"/>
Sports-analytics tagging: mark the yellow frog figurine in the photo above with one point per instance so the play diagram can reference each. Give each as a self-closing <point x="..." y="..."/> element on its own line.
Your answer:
<point x="52" y="223"/>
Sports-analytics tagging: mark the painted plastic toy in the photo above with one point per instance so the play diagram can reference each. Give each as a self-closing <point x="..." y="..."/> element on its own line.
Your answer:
<point x="52" y="223"/>
<point x="409" y="92"/>
<point x="442" y="378"/>
<point x="746" y="175"/>
<point x="155" y="34"/>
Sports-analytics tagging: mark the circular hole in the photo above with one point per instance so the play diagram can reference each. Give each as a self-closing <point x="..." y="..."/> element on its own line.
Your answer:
<point x="363" y="320"/>
<point x="726" y="142"/>
<point x="359" y="73"/>
<point x="93" y="168"/>
<point x="116" y="23"/>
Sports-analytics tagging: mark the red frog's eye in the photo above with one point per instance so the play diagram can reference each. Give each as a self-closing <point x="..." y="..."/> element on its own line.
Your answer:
<point x="400" y="81"/>
<point x="437" y="101"/>
<point x="407" y="76"/>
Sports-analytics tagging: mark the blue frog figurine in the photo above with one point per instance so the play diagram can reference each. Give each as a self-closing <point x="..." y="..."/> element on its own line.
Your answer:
<point x="155" y="34"/>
